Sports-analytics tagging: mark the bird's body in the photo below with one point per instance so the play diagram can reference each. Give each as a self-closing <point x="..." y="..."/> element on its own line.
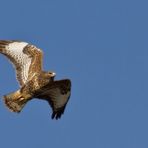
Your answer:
<point x="34" y="82"/>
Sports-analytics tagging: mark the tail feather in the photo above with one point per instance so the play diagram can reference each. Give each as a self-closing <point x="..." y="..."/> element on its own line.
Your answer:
<point x="14" y="101"/>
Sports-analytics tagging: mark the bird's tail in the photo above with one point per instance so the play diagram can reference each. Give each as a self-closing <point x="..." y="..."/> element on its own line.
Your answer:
<point x="15" y="101"/>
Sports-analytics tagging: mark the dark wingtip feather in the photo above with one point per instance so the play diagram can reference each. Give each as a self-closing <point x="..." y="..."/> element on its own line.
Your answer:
<point x="53" y="115"/>
<point x="57" y="114"/>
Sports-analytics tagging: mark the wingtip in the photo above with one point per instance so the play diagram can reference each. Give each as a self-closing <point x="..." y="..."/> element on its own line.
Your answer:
<point x="56" y="115"/>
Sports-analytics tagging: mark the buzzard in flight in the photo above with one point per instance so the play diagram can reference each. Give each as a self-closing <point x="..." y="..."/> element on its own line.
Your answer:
<point x="34" y="82"/>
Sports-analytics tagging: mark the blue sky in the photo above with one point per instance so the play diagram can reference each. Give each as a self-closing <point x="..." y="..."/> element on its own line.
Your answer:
<point x="101" y="45"/>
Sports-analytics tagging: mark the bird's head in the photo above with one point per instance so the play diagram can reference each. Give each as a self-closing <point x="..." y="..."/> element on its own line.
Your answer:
<point x="51" y="74"/>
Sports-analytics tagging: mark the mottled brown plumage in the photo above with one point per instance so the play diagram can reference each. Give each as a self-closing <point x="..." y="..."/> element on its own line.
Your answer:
<point x="34" y="82"/>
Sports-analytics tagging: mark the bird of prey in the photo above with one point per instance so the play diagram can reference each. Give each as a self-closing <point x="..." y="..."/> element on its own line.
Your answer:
<point x="34" y="82"/>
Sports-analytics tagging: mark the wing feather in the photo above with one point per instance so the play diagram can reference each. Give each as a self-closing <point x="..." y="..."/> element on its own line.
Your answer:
<point x="23" y="56"/>
<point x="57" y="94"/>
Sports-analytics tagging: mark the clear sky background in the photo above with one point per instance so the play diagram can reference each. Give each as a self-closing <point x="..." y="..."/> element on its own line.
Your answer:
<point x="102" y="46"/>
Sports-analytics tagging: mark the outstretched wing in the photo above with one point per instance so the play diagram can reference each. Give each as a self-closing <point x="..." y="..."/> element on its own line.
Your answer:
<point x="57" y="93"/>
<point x="26" y="58"/>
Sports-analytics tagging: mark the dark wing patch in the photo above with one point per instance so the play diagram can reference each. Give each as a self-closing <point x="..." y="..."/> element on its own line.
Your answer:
<point x="57" y="94"/>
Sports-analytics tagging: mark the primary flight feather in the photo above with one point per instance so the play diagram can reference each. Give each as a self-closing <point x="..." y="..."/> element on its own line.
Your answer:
<point x="34" y="82"/>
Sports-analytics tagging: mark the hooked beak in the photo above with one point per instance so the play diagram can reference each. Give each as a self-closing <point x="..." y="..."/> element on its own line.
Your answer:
<point x="53" y="74"/>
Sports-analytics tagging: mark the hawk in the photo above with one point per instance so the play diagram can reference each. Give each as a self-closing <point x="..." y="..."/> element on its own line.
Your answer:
<point x="34" y="82"/>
